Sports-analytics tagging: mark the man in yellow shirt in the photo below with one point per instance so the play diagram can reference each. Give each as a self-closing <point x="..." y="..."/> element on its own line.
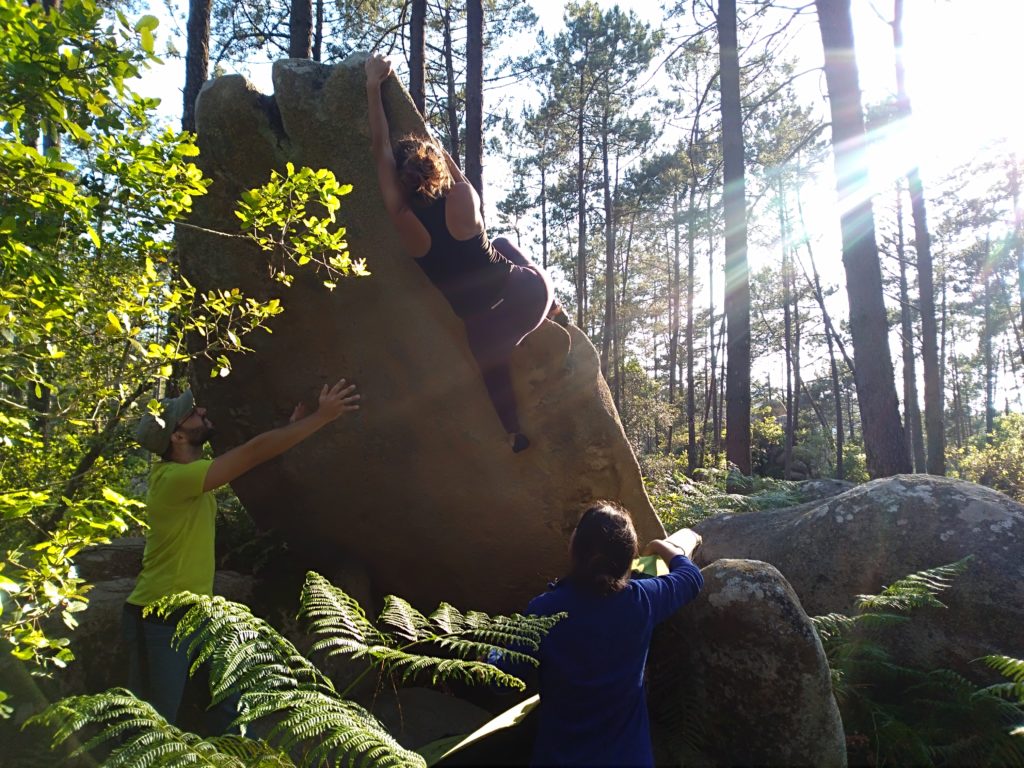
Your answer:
<point x="179" y="553"/>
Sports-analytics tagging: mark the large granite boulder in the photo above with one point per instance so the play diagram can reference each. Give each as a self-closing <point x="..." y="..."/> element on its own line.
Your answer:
<point x="421" y="483"/>
<point x="868" y="537"/>
<point x="739" y="677"/>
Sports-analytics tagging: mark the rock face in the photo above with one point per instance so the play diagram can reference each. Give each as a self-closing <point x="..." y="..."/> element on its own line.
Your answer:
<point x="738" y="677"/>
<point x="420" y="483"/>
<point x="870" y="536"/>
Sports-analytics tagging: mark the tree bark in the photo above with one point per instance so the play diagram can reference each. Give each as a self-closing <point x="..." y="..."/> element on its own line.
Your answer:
<point x="737" y="277"/>
<point x="609" y="251"/>
<point x="475" y="95"/>
<point x="986" y="343"/>
<point x="300" y="30"/>
<point x="691" y="405"/>
<point x="787" y="321"/>
<point x="876" y="388"/>
<point x="581" y="201"/>
<point x="911" y="412"/>
<point x="934" y="399"/>
<point x="675" y="287"/>
<point x="449" y="70"/>
<point x="197" y="59"/>
<point x="417" y="58"/>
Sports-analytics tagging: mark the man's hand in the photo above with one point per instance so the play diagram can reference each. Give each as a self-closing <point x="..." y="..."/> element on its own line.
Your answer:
<point x="377" y="69"/>
<point x="337" y="400"/>
<point x="334" y="401"/>
<point x="300" y="412"/>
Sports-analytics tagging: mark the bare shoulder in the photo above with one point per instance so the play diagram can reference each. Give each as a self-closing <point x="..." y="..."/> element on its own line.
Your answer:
<point x="462" y="211"/>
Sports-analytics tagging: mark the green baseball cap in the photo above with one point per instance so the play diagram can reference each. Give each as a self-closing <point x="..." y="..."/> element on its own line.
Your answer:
<point x="155" y="434"/>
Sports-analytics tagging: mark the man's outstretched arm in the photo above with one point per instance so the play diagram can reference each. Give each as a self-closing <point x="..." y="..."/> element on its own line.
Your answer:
<point x="334" y="402"/>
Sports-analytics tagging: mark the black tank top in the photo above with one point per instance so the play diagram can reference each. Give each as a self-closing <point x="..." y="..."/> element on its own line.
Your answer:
<point x="470" y="273"/>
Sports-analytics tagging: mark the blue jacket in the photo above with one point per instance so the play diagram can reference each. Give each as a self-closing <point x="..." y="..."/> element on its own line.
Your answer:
<point x="593" y="709"/>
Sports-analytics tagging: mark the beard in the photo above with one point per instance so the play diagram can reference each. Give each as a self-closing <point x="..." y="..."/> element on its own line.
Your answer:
<point x="198" y="436"/>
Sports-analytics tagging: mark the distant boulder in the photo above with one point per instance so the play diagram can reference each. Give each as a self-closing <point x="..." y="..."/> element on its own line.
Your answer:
<point x="873" y="534"/>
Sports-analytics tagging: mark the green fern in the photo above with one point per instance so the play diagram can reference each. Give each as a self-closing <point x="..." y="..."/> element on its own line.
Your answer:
<point x="140" y="737"/>
<point x="1012" y="669"/>
<point x="909" y="716"/>
<point x="395" y="647"/>
<point x="918" y="590"/>
<point x="284" y="695"/>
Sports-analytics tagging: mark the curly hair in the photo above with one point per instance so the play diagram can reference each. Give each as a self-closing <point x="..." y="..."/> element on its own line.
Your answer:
<point x="422" y="169"/>
<point x="603" y="547"/>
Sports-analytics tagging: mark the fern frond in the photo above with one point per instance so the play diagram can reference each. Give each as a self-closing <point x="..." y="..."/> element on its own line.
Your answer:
<point x="243" y="651"/>
<point x="408" y="666"/>
<point x="331" y="612"/>
<point x="918" y="590"/>
<point x="831" y="627"/>
<point x="144" y="738"/>
<point x="405" y="621"/>
<point x="252" y="752"/>
<point x="448" y="618"/>
<point x="1010" y="668"/>
<point x="329" y="729"/>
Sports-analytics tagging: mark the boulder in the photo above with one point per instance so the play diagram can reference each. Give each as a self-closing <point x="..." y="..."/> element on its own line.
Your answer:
<point x="873" y="534"/>
<point x="739" y="677"/>
<point x="823" y="488"/>
<point x="420" y="484"/>
<point x="419" y="716"/>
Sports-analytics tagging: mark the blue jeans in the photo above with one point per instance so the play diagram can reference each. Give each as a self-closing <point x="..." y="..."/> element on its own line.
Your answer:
<point x="158" y="671"/>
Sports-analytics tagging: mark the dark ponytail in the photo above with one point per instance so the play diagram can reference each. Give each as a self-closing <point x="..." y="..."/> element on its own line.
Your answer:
<point x="603" y="549"/>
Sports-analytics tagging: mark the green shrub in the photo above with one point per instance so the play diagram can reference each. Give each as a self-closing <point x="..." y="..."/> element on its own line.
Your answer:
<point x="1000" y="463"/>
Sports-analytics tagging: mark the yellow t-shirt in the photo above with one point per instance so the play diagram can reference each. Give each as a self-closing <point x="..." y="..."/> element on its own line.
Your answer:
<point x="179" y="545"/>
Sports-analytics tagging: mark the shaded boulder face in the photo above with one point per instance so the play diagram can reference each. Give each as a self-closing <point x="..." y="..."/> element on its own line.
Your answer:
<point x="420" y="483"/>
<point x="739" y="677"/>
<point x="870" y="536"/>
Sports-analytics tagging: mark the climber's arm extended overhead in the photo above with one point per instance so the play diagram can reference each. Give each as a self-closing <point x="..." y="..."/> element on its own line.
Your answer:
<point x="412" y="233"/>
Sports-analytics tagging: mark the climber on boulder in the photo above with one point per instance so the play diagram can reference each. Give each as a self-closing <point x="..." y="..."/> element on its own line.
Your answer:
<point x="494" y="288"/>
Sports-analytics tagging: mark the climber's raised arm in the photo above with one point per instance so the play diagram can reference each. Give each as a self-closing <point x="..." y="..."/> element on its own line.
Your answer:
<point x="414" y="237"/>
<point x="378" y="69"/>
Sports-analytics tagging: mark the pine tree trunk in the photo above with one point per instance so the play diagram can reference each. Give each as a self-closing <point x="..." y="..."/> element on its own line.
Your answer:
<point x="544" y="216"/>
<point x="197" y="59"/>
<point x="452" y="106"/>
<point x="674" y="290"/>
<point x="475" y="95"/>
<point x="787" y="321"/>
<point x="986" y="343"/>
<point x="300" y="29"/>
<point x="876" y="388"/>
<point x="581" y="202"/>
<point x="417" y="58"/>
<point x="318" y="32"/>
<point x="691" y="404"/>
<point x="934" y="400"/>
<point x="609" y="251"/>
<point x="737" y="276"/>
<point x="911" y="413"/>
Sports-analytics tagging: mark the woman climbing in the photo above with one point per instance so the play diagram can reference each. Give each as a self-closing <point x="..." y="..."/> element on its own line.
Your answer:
<point x="497" y="292"/>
